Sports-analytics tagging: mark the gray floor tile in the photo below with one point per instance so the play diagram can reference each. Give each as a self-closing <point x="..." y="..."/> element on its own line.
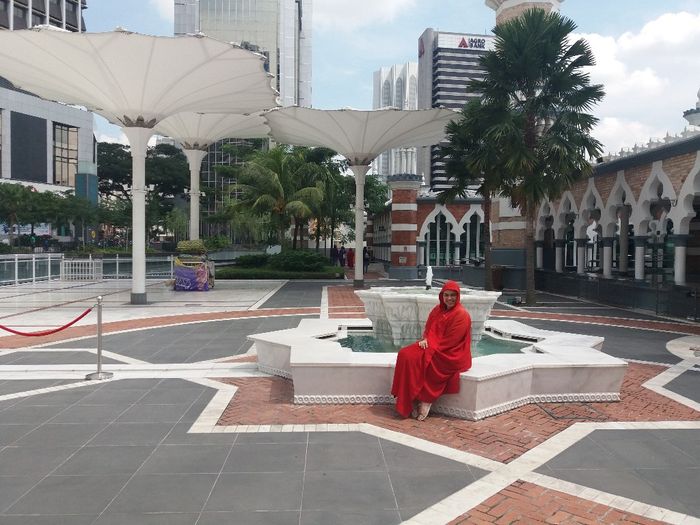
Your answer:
<point x="685" y="440"/>
<point x="250" y="518"/>
<point x="647" y="453"/>
<point x="148" y="519"/>
<point x="408" y="512"/>
<point x="324" y="517"/>
<point x="145" y="493"/>
<point x="11" y="433"/>
<point x="686" y="385"/>
<point x="584" y="454"/>
<point x="425" y="487"/>
<point x="105" y="461"/>
<point x="681" y="484"/>
<point x="186" y="459"/>
<point x="165" y="396"/>
<point x="61" y="398"/>
<point x="13" y="487"/>
<point x="401" y="457"/>
<point x="69" y="495"/>
<point x="88" y="414"/>
<point x="113" y="397"/>
<point x="132" y="434"/>
<point x="270" y="457"/>
<point x="153" y="414"/>
<point x="348" y="491"/>
<point x="61" y="435"/>
<point x="344" y="456"/>
<point x="257" y="491"/>
<point x="32" y="461"/>
<point x="180" y="436"/>
<point x="130" y="384"/>
<point x="73" y="519"/>
<point x="28" y="414"/>
<point x="619" y="482"/>
<point x="273" y="437"/>
<point x="353" y="438"/>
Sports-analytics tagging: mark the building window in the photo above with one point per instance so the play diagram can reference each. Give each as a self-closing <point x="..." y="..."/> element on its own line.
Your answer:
<point x="65" y="154"/>
<point x="399" y="93"/>
<point x="21" y="17"/>
<point x="386" y="94"/>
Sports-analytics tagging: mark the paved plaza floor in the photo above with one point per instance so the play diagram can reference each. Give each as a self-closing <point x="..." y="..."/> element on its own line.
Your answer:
<point x="190" y="432"/>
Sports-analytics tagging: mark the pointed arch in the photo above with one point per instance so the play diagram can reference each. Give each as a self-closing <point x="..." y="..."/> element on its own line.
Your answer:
<point x="439" y="208"/>
<point x="683" y="212"/>
<point x="658" y="185"/>
<point x="590" y="203"/>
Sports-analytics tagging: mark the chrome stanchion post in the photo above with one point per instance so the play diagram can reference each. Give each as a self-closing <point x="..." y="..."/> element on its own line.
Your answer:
<point x="99" y="375"/>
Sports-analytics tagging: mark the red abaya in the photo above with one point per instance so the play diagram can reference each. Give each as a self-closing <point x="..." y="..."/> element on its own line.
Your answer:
<point x="425" y="375"/>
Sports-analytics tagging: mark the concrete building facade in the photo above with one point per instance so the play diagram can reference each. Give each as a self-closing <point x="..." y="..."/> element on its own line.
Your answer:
<point x="44" y="144"/>
<point x="447" y="62"/>
<point x="396" y="87"/>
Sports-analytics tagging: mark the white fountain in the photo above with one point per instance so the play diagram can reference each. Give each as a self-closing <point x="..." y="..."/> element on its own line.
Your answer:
<point x="556" y="367"/>
<point x="398" y="314"/>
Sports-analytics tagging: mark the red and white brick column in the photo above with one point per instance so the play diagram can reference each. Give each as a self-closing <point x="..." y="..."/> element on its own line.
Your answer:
<point x="404" y="225"/>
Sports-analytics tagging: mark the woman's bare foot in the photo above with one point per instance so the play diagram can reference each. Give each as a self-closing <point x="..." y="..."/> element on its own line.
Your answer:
<point x="414" y="412"/>
<point x="423" y="411"/>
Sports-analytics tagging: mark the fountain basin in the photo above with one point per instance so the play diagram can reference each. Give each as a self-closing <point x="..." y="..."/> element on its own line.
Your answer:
<point x="398" y="314"/>
<point x="558" y="367"/>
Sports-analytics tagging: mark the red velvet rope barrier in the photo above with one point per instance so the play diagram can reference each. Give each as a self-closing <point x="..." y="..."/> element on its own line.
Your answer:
<point x="46" y="332"/>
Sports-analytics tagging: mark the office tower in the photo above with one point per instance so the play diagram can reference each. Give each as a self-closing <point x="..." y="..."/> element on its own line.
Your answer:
<point x="447" y="62"/>
<point x="278" y="29"/>
<point x="396" y="87"/>
<point x="46" y="145"/>
<point x="23" y="14"/>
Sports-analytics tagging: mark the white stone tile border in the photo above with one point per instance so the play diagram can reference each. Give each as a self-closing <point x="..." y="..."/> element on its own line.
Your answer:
<point x="658" y="383"/>
<point x="522" y="468"/>
<point x="324" y="303"/>
<point x="264" y="299"/>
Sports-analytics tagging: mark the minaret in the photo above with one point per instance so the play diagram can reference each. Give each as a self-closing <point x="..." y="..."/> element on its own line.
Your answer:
<point x="509" y="9"/>
<point x="693" y="115"/>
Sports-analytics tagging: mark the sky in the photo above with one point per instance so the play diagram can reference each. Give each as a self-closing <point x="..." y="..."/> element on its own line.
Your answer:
<point x="646" y="52"/>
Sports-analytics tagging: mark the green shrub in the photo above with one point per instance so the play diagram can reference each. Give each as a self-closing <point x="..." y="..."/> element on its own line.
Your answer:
<point x="235" y="272"/>
<point x="217" y="243"/>
<point x="298" y="261"/>
<point x="195" y="247"/>
<point x="255" y="260"/>
<point x="5" y="248"/>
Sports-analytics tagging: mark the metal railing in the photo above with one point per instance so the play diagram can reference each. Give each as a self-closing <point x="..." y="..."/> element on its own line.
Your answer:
<point x="32" y="268"/>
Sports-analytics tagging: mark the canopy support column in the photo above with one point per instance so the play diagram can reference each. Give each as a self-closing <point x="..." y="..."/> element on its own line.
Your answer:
<point x="138" y="140"/>
<point x="360" y="172"/>
<point x="194" y="159"/>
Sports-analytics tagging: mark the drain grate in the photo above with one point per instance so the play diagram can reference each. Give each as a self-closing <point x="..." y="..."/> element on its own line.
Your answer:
<point x="568" y="411"/>
<point x="193" y="304"/>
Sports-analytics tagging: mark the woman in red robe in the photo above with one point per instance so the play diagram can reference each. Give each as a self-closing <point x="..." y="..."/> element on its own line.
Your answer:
<point x="430" y="367"/>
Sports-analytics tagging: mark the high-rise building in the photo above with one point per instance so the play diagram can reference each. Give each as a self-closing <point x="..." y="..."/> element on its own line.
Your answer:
<point x="447" y="62"/>
<point x="44" y="144"/>
<point x="278" y="29"/>
<point x="396" y="87"/>
<point x="23" y="14"/>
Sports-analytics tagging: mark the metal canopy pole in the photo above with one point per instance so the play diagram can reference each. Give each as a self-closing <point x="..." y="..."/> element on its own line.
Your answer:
<point x="99" y="375"/>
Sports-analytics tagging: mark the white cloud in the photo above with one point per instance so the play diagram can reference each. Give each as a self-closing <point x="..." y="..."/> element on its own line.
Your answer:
<point x="650" y="77"/>
<point x="165" y="8"/>
<point x="341" y="15"/>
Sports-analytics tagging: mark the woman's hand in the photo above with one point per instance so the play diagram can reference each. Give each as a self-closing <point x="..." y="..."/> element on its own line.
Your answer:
<point x="423" y="343"/>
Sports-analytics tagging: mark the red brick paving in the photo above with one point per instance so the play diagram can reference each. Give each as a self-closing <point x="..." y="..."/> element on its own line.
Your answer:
<point x="526" y="503"/>
<point x="268" y="401"/>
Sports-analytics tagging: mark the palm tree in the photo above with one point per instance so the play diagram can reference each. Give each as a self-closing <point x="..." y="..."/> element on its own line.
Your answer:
<point x="536" y="98"/>
<point x="471" y="163"/>
<point x="279" y="182"/>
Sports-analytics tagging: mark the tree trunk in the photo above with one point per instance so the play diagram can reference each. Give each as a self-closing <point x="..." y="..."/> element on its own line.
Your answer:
<point x="318" y="234"/>
<point x="530" y="297"/>
<point x="488" y="283"/>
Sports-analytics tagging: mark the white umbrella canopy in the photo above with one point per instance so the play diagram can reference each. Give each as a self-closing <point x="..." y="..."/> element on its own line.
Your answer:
<point x="196" y="132"/>
<point x="200" y="130"/>
<point x="360" y="136"/>
<point x="133" y="79"/>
